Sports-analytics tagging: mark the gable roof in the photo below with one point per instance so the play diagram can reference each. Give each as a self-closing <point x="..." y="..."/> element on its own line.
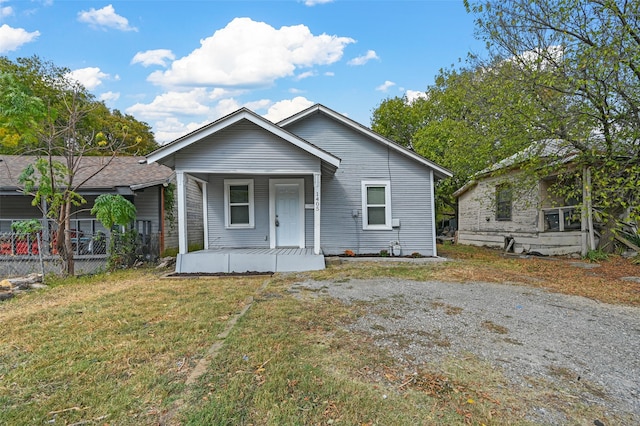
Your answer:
<point x="549" y="149"/>
<point x="439" y="171"/>
<point x="121" y="172"/>
<point x="224" y="122"/>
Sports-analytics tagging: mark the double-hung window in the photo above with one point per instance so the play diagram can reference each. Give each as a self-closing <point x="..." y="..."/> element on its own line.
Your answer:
<point x="504" y="198"/>
<point x="238" y="203"/>
<point x="376" y="204"/>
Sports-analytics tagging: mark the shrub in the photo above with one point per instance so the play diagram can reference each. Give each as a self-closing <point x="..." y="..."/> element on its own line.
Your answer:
<point x="596" y="255"/>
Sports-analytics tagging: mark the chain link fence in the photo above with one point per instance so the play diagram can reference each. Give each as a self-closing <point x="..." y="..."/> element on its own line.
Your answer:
<point x="21" y="255"/>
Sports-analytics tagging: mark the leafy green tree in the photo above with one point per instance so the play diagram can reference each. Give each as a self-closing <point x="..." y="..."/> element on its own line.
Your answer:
<point x="466" y="121"/>
<point x="32" y="91"/>
<point x="70" y="125"/>
<point x="399" y="120"/>
<point x="20" y="112"/>
<point x="588" y="51"/>
<point x="114" y="209"/>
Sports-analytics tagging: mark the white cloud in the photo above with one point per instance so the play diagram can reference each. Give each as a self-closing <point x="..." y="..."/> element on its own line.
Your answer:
<point x="250" y="53"/>
<point x="13" y="38"/>
<point x="165" y="109"/>
<point x="295" y="91"/>
<point x="153" y="57"/>
<point x="193" y="102"/>
<point x="286" y="108"/>
<point x="304" y="75"/>
<point x="314" y="2"/>
<point x="90" y="77"/>
<point x="258" y="105"/>
<point x="361" y="60"/>
<point x="329" y="74"/>
<point x="109" y="96"/>
<point x="224" y="107"/>
<point x="412" y="95"/>
<point x="171" y="128"/>
<point x="385" y="86"/>
<point x="219" y="92"/>
<point x="5" y="11"/>
<point x="105" y="18"/>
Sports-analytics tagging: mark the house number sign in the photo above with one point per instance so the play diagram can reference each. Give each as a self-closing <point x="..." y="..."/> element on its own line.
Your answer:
<point x="316" y="185"/>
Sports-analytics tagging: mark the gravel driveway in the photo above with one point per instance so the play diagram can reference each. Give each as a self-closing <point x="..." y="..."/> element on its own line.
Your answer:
<point x="525" y="332"/>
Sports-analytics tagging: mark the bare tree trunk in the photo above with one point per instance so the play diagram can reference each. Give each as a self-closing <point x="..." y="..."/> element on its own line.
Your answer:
<point x="609" y="229"/>
<point x="70" y="267"/>
<point x="64" y="243"/>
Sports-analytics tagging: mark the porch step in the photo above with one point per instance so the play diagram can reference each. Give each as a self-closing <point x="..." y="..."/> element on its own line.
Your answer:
<point x="247" y="260"/>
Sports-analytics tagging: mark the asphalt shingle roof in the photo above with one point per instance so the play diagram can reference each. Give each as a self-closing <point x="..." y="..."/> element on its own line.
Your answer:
<point x="121" y="171"/>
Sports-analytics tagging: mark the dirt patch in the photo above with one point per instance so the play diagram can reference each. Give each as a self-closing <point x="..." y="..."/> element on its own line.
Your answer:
<point x="567" y="356"/>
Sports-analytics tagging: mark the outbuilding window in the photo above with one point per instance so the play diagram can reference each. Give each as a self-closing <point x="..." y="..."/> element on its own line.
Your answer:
<point x="238" y="202"/>
<point x="504" y="199"/>
<point x="376" y="205"/>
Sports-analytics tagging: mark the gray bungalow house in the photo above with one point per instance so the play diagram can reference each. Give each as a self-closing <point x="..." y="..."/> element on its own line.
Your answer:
<point x="278" y="197"/>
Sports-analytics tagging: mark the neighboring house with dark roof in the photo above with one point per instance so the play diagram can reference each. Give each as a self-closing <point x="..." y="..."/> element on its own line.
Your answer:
<point x="143" y="185"/>
<point x="278" y="197"/>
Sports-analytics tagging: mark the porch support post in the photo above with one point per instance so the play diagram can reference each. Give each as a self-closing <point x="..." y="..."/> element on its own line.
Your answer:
<point x="182" y="211"/>
<point x="205" y="203"/>
<point x="592" y="238"/>
<point x="316" y="213"/>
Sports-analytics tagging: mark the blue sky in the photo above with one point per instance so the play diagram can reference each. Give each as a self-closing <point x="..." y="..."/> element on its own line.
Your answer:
<point x="178" y="65"/>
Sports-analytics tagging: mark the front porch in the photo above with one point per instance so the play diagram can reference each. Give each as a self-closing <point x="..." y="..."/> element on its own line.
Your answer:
<point x="227" y="260"/>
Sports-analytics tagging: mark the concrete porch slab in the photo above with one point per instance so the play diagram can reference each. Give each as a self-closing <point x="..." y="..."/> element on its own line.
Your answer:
<point x="249" y="260"/>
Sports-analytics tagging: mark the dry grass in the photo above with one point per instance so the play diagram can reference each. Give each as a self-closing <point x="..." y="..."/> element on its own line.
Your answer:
<point x="117" y="349"/>
<point x="291" y="362"/>
<point x="481" y="264"/>
<point x="113" y="349"/>
<point x="557" y="274"/>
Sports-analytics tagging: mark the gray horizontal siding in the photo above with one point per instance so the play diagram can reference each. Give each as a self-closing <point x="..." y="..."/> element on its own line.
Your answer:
<point x="258" y="236"/>
<point x="18" y="207"/>
<point x="219" y="236"/>
<point x="195" y="218"/>
<point x="147" y="204"/>
<point x="245" y="146"/>
<point x="364" y="159"/>
<point x="195" y="214"/>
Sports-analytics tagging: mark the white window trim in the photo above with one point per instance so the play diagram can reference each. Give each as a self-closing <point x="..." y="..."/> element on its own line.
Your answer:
<point x="227" y="208"/>
<point x="387" y="204"/>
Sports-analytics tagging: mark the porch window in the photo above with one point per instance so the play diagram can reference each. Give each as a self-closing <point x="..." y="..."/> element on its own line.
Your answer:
<point x="238" y="202"/>
<point x="504" y="198"/>
<point x="376" y="205"/>
<point x="562" y="219"/>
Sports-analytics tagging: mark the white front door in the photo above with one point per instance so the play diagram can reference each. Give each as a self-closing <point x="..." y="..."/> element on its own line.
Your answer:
<point x="287" y="213"/>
